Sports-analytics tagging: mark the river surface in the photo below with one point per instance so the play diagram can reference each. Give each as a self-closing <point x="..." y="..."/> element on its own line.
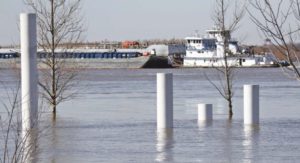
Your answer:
<point x="113" y="119"/>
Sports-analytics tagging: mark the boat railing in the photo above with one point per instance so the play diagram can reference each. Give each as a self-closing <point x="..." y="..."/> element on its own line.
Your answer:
<point x="93" y="55"/>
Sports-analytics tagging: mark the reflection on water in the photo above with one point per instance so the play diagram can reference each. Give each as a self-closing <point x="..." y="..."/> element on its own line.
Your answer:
<point x="250" y="143"/>
<point x="29" y="146"/>
<point x="228" y="146"/>
<point x="114" y="120"/>
<point x="164" y="145"/>
<point x="204" y="124"/>
<point x="53" y="138"/>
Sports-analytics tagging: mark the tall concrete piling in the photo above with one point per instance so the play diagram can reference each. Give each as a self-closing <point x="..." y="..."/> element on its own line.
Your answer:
<point x="29" y="80"/>
<point x="251" y="104"/>
<point x="164" y="100"/>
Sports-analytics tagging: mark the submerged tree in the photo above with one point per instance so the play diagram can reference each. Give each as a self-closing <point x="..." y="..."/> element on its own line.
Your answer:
<point x="59" y="27"/>
<point x="226" y="23"/>
<point x="279" y="20"/>
<point x="16" y="145"/>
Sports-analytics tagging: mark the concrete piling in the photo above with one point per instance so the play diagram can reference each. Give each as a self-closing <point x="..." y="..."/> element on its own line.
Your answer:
<point x="29" y="80"/>
<point x="164" y="100"/>
<point x="251" y="104"/>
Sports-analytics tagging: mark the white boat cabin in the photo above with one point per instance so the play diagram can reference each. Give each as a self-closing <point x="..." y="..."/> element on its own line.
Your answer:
<point x="209" y="52"/>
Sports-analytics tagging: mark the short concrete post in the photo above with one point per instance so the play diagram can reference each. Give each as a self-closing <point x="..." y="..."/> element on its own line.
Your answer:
<point x="29" y="81"/>
<point x="164" y="100"/>
<point x="251" y="104"/>
<point x="205" y="113"/>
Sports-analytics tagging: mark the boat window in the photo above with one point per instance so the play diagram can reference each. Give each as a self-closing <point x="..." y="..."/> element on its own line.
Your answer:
<point x="209" y="44"/>
<point x="189" y="41"/>
<point x="244" y="60"/>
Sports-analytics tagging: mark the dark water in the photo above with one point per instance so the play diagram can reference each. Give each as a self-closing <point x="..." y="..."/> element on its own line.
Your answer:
<point x="113" y="119"/>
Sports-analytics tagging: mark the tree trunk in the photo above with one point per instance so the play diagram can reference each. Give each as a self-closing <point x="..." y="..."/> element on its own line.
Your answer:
<point x="54" y="109"/>
<point x="228" y="81"/>
<point x="53" y="114"/>
<point x="53" y="63"/>
<point x="53" y="106"/>
<point x="230" y="108"/>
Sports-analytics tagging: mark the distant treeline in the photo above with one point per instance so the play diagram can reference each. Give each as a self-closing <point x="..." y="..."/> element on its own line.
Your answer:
<point x="139" y="44"/>
<point x="107" y="44"/>
<point x="277" y="51"/>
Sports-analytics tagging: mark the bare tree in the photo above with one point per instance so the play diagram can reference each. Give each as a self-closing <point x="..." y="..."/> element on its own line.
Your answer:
<point x="279" y="21"/>
<point x="16" y="145"/>
<point x="225" y="27"/>
<point x="59" y="27"/>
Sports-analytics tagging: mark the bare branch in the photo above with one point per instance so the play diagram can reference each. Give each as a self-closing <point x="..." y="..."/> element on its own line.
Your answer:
<point x="276" y="23"/>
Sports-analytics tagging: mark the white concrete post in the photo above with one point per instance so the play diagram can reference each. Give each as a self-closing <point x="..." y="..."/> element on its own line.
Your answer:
<point x="29" y="80"/>
<point x="205" y="113"/>
<point x="251" y="104"/>
<point x="164" y="100"/>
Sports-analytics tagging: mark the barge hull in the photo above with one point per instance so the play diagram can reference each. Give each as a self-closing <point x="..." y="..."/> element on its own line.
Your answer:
<point x="108" y="63"/>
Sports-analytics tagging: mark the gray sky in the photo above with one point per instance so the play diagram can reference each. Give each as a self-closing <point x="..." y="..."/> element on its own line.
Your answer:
<point x="133" y="19"/>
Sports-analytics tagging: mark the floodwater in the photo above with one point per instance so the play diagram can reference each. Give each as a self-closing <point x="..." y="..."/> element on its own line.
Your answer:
<point x="113" y="119"/>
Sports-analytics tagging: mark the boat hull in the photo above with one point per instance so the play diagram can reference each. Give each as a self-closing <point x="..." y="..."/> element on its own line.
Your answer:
<point x="231" y="62"/>
<point x="158" y="62"/>
<point x="96" y="63"/>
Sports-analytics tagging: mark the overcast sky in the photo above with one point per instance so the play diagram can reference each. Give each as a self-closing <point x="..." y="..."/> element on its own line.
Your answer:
<point x="132" y="20"/>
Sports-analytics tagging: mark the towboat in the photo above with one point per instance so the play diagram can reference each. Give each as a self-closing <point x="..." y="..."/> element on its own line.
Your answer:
<point x="208" y="51"/>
